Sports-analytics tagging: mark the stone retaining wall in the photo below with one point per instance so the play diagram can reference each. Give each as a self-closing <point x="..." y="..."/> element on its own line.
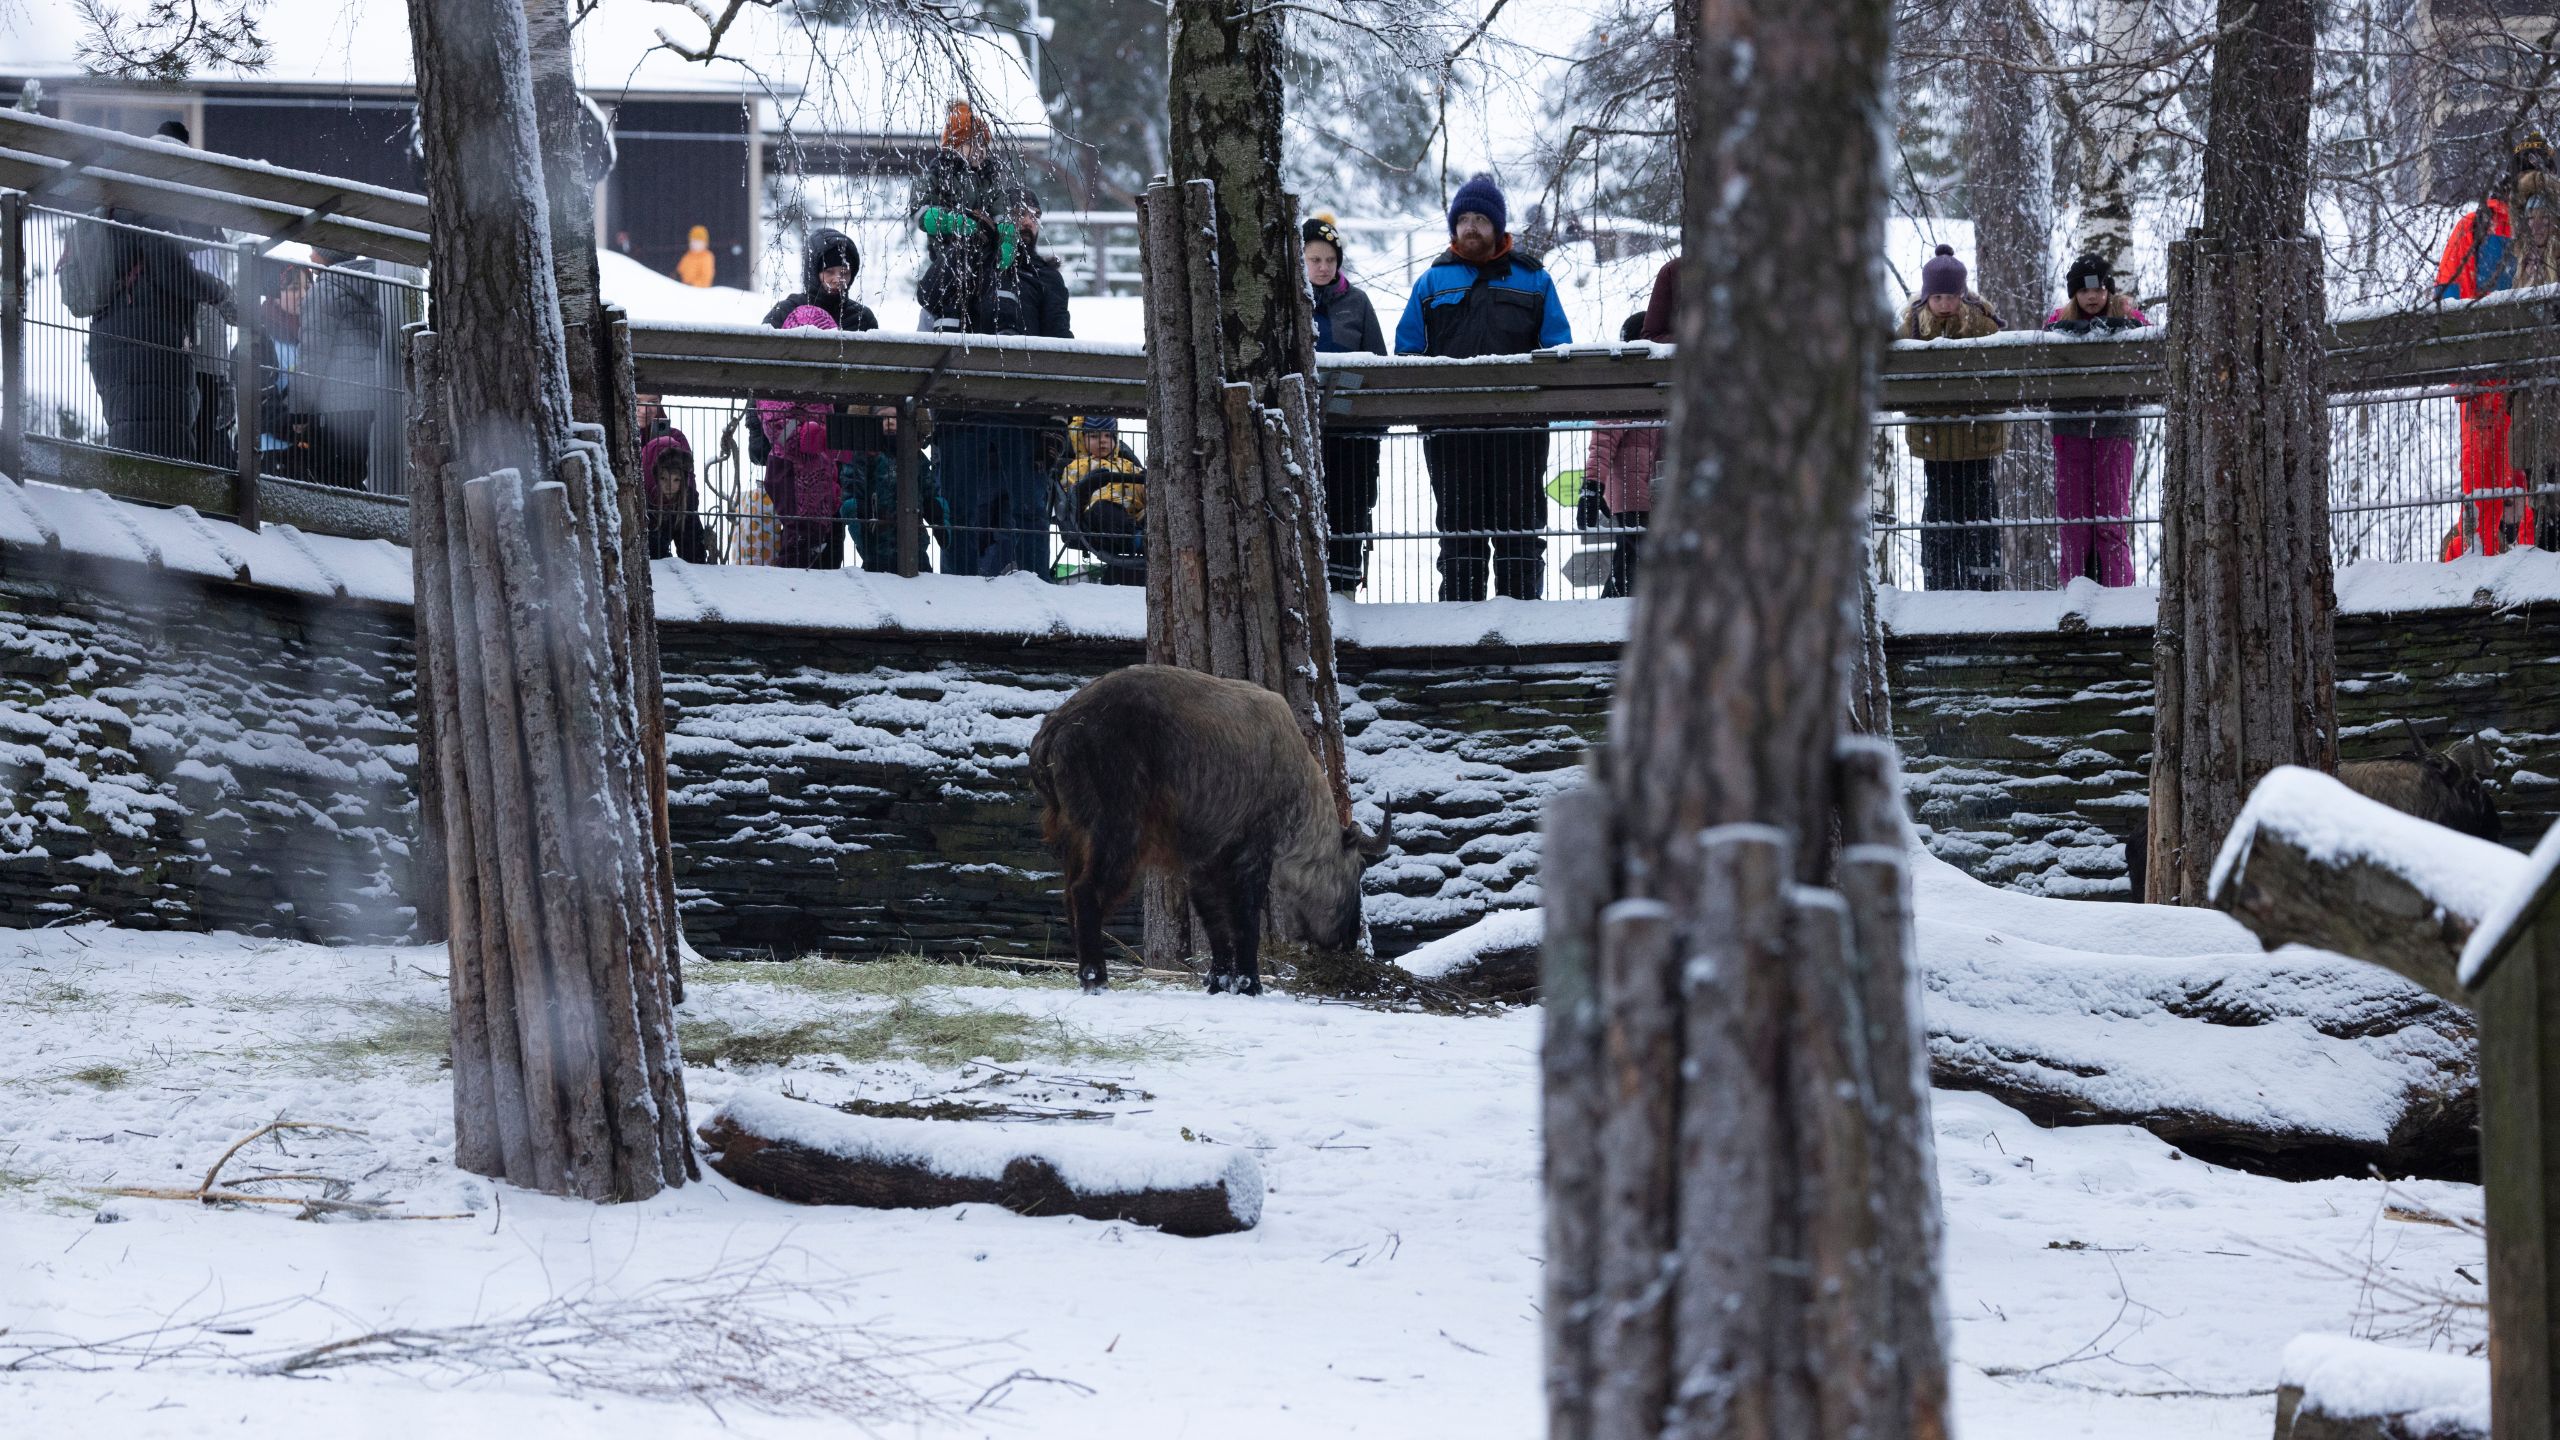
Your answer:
<point x="188" y="753"/>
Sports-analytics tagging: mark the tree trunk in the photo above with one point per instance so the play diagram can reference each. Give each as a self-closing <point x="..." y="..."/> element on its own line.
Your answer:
<point x="1733" y="1250"/>
<point x="2114" y="126"/>
<point x="566" y="1073"/>
<point x="2245" y="655"/>
<point x="1224" y="82"/>
<point x="569" y="186"/>
<point x="2009" y="192"/>
<point x="1235" y="515"/>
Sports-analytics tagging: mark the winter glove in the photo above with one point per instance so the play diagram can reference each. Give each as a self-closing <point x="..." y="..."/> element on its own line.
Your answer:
<point x="1589" y="513"/>
<point x="941" y="220"/>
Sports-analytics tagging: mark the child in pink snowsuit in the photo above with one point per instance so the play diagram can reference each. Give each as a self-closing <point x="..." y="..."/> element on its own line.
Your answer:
<point x="2093" y="458"/>
<point x="801" y="478"/>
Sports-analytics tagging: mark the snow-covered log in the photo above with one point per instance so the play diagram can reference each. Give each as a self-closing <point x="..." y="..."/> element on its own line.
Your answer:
<point x="2300" y="1064"/>
<point x="813" y="1155"/>
<point x="2335" y="1388"/>
<point x="2311" y="862"/>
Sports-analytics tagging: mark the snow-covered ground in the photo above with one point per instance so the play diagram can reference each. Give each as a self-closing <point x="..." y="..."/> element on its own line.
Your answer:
<point x="2101" y="1284"/>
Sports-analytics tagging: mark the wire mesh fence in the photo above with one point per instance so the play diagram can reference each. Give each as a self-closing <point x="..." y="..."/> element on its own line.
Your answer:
<point x="171" y="341"/>
<point x="2414" y="475"/>
<point x="135" y="336"/>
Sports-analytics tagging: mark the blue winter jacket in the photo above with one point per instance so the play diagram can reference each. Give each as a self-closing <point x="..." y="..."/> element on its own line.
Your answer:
<point x="1505" y="307"/>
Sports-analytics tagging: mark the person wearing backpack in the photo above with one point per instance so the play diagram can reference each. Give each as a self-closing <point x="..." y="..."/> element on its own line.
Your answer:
<point x="1483" y="297"/>
<point x="136" y="287"/>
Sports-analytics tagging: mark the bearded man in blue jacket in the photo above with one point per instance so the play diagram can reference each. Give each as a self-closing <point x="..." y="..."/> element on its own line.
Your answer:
<point x="1483" y="298"/>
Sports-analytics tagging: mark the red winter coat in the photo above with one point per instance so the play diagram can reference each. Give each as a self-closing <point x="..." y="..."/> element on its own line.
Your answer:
<point x="1624" y="459"/>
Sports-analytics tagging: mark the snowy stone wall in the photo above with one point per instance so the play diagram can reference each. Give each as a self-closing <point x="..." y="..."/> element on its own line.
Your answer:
<point x="2027" y="754"/>
<point x="180" y="750"/>
<point x="183" y="757"/>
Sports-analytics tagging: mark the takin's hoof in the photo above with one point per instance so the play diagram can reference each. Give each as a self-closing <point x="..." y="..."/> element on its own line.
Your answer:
<point x="1094" y="984"/>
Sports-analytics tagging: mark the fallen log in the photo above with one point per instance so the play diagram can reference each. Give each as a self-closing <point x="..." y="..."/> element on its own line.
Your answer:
<point x="813" y="1155"/>
<point x="2300" y="1065"/>
<point x="2312" y="862"/>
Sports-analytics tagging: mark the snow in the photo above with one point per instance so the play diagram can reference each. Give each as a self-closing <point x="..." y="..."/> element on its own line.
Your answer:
<point x="2006" y="974"/>
<point x="2498" y="920"/>
<point x="1091" y="1161"/>
<point x="2517" y="578"/>
<point x="800" y="74"/>
<point x="2334" y="825"/>
<point x="2347" y="1379"/>
<point x="650" y="298"/>
<point x="1390" y="1289"/>
<point x="1501" y="930"/>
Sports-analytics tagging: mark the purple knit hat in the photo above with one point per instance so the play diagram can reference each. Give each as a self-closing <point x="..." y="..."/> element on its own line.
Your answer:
<point x="809" y="317"/>
<point x="1943" y="275"/>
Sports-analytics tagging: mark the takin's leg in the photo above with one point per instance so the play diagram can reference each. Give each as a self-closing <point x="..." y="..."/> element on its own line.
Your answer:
<point x="1094" y="890"/>
<point x="1249" y="881"/>
<point x="1211" y="897"/>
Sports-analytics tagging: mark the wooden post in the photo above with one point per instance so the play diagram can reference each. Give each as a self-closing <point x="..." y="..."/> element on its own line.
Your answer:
<point x="2518" y="990"/>
<point x="244" y="383"/>
<point x="13" y="334"/>
<point x="2519" y="1146"/>
<point x="1235" y="536"/>
<point x="910" y="491"/>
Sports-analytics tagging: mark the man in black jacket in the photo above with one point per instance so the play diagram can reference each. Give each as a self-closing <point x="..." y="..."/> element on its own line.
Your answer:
<point x="139" y="343"/>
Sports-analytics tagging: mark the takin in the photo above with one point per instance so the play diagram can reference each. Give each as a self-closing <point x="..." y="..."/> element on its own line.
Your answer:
<point x="2440" y="787"/>
<point x="1154" y="770"/>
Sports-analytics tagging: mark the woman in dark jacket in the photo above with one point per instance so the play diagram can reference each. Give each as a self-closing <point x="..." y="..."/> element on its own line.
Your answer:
<point x="1345" y="323"/>
<point x="351" y="363"/>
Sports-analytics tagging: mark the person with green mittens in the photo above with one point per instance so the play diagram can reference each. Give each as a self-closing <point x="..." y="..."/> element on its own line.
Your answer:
<point x="963" y="203"/>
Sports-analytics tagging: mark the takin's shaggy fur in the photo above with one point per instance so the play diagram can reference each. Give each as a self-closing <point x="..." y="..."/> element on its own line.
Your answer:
<point x="1164" y="771"/>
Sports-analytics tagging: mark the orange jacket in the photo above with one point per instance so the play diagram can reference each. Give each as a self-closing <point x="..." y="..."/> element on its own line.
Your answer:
<point x="697" y="268"/>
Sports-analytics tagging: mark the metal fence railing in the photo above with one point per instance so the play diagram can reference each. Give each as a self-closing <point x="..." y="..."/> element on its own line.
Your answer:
<point x="186" y="346"/>
<point x="2396" y="475"/>
<point x="171" y="341"/>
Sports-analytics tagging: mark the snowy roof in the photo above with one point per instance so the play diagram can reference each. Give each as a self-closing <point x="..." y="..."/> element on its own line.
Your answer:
<point x="803" y="75"/>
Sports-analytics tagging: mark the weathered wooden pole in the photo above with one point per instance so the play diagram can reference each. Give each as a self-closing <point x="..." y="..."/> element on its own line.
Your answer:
<point x="2519" y="1000"/>
<point x="1235" y="517"/>
<point x="1742" y="1213"/>
<point x="566" y="1072"/>
<point x="2245" y="656"/>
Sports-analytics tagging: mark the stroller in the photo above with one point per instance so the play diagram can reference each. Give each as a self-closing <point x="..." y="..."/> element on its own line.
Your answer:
<point x="1119" y="556"/>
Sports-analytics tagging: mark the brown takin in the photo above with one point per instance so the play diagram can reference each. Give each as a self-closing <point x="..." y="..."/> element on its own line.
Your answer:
<point x="1157" y="770"/>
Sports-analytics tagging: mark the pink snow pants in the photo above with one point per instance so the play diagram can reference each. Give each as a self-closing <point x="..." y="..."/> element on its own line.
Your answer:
<point x="2093" y="477"/>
